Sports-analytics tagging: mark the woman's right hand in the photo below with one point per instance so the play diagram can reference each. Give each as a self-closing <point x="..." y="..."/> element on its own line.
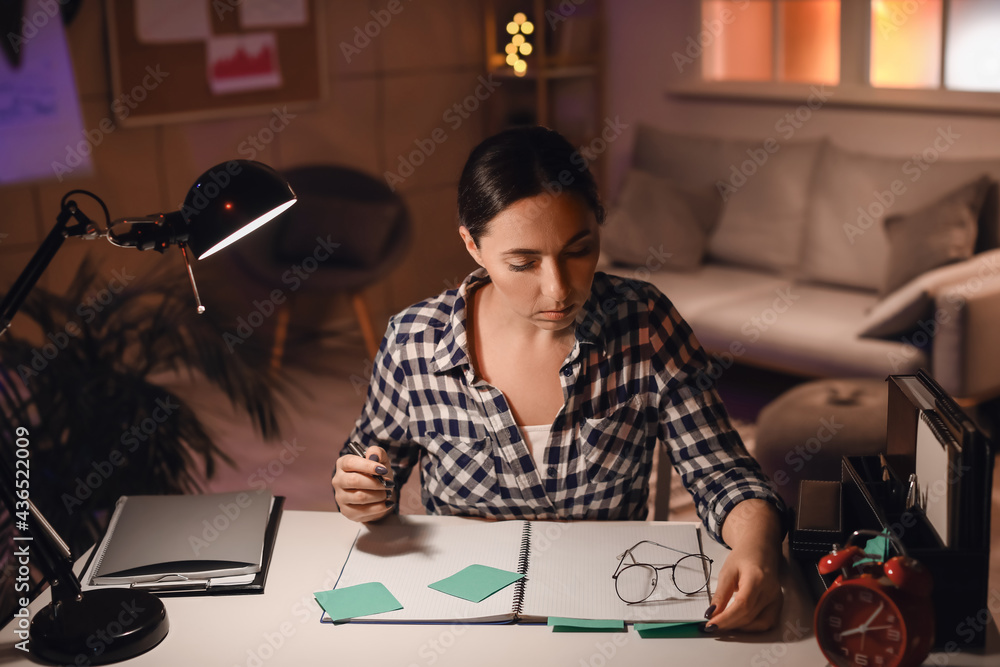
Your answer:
<point x="360" y="496"/>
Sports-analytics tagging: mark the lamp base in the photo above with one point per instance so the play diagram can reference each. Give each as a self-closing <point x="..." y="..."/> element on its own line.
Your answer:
<point x="100" y="626"/>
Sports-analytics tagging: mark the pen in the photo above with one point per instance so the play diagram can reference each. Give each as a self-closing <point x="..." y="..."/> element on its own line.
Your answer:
<point x="358" y="450"/>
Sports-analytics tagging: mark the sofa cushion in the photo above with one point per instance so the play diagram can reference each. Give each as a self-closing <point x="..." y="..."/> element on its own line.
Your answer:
<point x="941" y="233"/>
<point x="654" y="214"/>
<point x="762" y="223"/>
<point x="844" y="242"/>
<point x="803" y="329"/>
<point x="711" y="286"/>
<point x="764" y="185"/>
<point x="903" y="309"/>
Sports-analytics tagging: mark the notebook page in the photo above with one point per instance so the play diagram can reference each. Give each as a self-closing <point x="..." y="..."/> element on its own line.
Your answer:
<point x="571" y="567"/>
<point x="410" y="552"/>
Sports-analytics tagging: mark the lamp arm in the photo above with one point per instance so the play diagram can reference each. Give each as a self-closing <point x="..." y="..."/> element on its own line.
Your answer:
<point x="18" y="292"/>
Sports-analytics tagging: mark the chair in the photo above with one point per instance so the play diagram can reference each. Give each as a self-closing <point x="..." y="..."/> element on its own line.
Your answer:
<point x="367" y="221"/>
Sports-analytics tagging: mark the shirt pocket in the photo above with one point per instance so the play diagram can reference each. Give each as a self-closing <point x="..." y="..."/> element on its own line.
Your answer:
<point x="461" y="472"/>
<point x="612" y="446"/>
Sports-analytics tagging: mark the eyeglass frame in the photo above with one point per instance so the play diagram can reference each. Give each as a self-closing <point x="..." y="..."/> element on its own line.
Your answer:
<point x="656" y="568"/>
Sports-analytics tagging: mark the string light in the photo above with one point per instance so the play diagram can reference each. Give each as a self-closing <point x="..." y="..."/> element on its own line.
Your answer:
<point x="519" y="46"/>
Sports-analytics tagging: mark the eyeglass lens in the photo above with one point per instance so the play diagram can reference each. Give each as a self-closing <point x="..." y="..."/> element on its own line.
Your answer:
<point x="636" y="583"/>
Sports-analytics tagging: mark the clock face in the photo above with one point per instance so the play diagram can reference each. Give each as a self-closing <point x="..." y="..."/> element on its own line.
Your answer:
<point x="859" y="626"/>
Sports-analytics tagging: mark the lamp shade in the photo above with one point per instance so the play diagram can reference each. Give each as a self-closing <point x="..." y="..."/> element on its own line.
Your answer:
<point x="229" y="201"/>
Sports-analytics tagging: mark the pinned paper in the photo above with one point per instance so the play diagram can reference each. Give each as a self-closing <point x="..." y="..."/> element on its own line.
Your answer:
<point x="559" y="624"/>
<point x="476" y="582"/>
<point x="669" y="630"/>
<point x="241" y="63"/>
<point x="354" y="601"/>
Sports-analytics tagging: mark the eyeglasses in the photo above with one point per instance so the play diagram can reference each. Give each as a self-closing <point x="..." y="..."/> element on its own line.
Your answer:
<point x="635" y="582"/>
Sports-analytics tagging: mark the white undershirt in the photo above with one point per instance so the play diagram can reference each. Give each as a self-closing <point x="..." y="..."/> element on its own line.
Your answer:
<point x="537" y="437"/>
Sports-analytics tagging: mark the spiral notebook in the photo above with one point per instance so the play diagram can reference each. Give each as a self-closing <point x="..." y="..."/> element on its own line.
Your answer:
<point x="568" y="568"/>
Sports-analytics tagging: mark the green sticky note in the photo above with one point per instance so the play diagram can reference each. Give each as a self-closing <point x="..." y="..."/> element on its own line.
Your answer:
<point x="476" y="582"/>
<point x="559" y="624"/>
<point x="354" y="601"/>
<point x="669" y="630"/>
<point x="875" y="549"/>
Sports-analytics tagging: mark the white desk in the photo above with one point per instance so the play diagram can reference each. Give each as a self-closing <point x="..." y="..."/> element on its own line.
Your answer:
<point x="281" y="627"/>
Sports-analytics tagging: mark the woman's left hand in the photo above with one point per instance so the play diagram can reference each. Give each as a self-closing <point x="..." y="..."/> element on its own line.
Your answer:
<point x="748" y="594"/>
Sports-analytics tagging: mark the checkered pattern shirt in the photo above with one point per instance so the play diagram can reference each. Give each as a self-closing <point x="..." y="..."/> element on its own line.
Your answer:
<point x="635" y="376"/>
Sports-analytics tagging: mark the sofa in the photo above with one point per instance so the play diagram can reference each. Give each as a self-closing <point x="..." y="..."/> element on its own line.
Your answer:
<point x="809" y="259"/>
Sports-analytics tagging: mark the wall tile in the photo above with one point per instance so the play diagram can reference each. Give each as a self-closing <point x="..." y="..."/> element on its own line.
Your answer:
<point x="434" y="33"/>
<point x="18" y="217"/>
<point x="349" y="53"/>
<point x="191" y="149"/>
<point x="124" y="176"/>
<point x="344" y="130"/>
<point x="428" y="139"/>
<point x="437" y="260"/>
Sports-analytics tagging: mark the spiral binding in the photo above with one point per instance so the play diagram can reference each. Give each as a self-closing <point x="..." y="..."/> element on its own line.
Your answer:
<point x="522" y="568"/>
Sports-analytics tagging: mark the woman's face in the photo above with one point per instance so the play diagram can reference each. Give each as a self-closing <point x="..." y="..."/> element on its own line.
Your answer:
<point x="541" y="253"/>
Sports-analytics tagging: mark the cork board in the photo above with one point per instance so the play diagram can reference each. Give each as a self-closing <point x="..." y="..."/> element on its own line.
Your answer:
<point x="165" y="68"/>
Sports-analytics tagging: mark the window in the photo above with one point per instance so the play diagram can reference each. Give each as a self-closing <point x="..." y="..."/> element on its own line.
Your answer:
<point x="773" y="40"/>
<point x="940" y="54"/>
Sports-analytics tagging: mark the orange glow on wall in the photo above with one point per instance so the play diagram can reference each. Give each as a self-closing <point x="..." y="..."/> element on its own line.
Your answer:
<point x="906" y="44"/>
<point x="737" y="40"/>
<point x="810" y="41"/>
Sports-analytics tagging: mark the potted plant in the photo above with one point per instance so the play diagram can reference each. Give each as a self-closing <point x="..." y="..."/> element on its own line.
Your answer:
<point x="100" y="425"/>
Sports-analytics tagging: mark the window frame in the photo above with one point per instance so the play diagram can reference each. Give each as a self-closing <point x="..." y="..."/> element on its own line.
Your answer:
<point x="854" y="89"/>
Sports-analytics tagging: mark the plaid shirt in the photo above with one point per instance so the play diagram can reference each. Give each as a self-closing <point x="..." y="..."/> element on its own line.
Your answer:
<point x="636" y="375"/>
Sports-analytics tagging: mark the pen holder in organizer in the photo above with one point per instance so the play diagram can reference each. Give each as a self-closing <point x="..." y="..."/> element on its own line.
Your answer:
<point x="960" y="574"/>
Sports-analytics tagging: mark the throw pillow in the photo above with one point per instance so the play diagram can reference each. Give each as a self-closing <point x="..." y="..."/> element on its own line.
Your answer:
<point x="766" y="195"/>
<point x="903" y="309"/>
<point x="939" y="234"/>
<point x="763" y="183"/>
<point x="656" y="219"/>
<point x="844" y="242"/>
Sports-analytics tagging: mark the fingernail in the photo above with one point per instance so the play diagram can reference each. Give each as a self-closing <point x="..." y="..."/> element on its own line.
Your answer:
<point x="388" y="493"/>
<point x="389" y="503"/>
<point x="390" y="484"/>
<point x="381" y="470"/>
<point x="710" y="611"/>
<point x="711" y="627"/>
<point x="373" y="457"/>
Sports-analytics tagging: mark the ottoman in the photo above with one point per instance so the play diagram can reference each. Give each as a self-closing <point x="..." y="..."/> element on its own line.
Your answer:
<point x="804" y="432"/>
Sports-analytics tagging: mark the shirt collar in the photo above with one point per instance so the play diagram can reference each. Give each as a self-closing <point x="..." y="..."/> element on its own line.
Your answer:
<point x="452" y="350"/>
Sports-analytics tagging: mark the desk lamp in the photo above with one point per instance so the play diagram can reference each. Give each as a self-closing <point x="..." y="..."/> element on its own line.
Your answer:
<point x="225" y="204"/>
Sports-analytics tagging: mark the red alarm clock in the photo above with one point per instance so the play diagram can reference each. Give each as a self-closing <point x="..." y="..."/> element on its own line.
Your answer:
<point x="875" y="614"/>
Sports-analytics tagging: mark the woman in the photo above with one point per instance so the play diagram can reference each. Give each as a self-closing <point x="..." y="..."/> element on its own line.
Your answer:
<point x="539" y="388"/>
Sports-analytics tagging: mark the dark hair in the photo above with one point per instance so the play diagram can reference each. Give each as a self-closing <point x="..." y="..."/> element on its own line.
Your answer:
<point x="516" y="164"/>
